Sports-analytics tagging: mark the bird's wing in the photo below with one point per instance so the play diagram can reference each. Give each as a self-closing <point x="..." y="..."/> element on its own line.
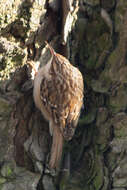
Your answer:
<point x="62" y="96"/>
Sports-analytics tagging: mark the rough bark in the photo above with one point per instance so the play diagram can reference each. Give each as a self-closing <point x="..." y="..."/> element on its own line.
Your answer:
<point x="96" y="42"/>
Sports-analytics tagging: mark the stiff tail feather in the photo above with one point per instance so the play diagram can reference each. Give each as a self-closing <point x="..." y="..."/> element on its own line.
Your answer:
<point x="56" y="150"/>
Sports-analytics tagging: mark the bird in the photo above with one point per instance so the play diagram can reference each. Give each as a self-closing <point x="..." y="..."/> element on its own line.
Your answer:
<point x="58" y="90"/>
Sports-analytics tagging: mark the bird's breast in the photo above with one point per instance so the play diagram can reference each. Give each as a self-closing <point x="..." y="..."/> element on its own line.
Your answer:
<point x="36" y="91"/>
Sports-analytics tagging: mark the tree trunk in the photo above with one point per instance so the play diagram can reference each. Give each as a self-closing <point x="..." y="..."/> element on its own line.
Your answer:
<point x="93" y="36"/>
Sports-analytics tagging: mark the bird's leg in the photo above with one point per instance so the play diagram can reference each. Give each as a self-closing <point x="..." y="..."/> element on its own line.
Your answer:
<point x="47" y="169"/>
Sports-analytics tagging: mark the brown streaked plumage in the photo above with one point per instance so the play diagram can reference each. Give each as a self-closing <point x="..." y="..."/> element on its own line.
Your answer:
<point x="58" y="93"/>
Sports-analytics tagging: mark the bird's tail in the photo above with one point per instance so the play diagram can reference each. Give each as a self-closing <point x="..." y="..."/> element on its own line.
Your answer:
<point x="56" y="150"/>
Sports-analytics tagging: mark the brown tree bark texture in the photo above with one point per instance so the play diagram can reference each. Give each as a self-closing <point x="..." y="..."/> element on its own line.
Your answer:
<point x="93" y="36"/>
